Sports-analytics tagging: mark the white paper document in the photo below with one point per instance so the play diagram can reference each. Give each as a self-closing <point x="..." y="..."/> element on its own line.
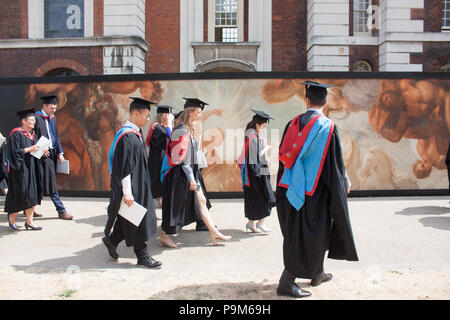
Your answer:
<point x="134" y="214"/>
<point x="43" y="143"/>
<point x="63" y="167"/>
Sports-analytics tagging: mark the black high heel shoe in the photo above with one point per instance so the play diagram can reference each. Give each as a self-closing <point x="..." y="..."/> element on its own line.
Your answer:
<point x="31" y="227"/>
<point x="12" y="225"/>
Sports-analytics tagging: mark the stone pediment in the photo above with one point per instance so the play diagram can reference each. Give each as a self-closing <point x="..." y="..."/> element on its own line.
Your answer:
<point x="239" y="56"/>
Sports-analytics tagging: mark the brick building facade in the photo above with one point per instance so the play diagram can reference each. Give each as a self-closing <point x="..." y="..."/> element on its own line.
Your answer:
<point x="169" y="36"/>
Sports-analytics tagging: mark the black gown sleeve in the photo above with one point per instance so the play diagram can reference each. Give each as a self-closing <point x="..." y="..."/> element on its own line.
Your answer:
<point x="253" y="163"/>
<point x="121" y="166"/>
<point x="342" y="244"/>
<point x="159" y="138"/>
<point x="16" y="154"/>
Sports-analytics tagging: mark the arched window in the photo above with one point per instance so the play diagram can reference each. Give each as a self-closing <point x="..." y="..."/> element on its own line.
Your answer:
<point x="362" y="66"/>
<point x="61" y="72"/>
<point x="445" y="68"/>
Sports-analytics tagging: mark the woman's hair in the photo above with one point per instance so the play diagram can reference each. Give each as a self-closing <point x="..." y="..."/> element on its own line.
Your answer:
<point x="255" y="120"/>
<point x="158" y="118"/>
<point x="184" y="117"/>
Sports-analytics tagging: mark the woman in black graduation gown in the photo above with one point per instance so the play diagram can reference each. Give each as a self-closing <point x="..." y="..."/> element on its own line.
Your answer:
<point x="3" y="167"/>
<point x="157" y="138"/>
<point x="258" y="194"/>
<point x="184" y="200"/>
<point x="24" y="177"/>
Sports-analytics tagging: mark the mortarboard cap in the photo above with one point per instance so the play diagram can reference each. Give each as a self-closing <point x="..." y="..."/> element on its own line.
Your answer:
<point x="262" y="115"/>
<point x="139" y="103"/>
<point x="194" y="103"/>
<point x="49" y="99"/>
<point x="25" y="113"/>
<point x="164" y="109"/>
<point x="316" y="91"/>
<point x="309" y="83"/>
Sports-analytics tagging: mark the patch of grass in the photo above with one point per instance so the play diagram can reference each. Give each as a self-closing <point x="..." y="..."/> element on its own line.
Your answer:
<point x="67" y="293"/>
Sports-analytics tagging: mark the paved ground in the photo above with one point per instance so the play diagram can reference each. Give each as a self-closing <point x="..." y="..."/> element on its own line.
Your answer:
<point x="403" y="245"/>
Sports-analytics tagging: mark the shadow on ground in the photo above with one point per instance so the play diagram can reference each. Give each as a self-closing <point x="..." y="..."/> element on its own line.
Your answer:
<point x="437" y="222"/>
<point x="225" y="291"/>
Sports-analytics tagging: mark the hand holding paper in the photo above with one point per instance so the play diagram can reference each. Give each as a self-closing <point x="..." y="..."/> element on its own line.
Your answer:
<point x="135" y="213"/>
<point x="43" y="144"/>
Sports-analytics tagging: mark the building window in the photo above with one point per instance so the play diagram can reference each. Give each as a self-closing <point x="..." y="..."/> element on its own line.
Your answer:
<point x="362" y="66"/>
<point x="63" y="18"/>
<point x="226" y="20"/>
<point x="446" y="14"/>
<point x="361" y="16"/>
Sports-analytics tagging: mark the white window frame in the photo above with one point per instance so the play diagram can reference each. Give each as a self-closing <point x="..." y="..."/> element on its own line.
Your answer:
<point x="445" y="9"/>
<point x="36" y="19"/>
<point x="356" y="14"/>
<point x="212" y="20"/>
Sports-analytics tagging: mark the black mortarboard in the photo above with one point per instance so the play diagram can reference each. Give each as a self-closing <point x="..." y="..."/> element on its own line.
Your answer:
<point x="194" y="103"/>
<point x="316" y="91"/>
<point x="309" y="83"/>
<point x="139" y="103"/>
<point x="262" y="115"/>
<point x="25" y="113"/>
<point x="164" y="109"/>
<point x="49" y="100"/>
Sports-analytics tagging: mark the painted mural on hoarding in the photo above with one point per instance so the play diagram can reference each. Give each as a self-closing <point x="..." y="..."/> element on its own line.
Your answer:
<point x="394" y="132"/>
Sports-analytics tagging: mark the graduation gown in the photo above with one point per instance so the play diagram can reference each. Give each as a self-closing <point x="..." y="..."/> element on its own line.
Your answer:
<point x="180" y="205"/>
<point x="258" y="194"/>
<point x="4" y="166"/>
<point x="128" y="156"/>
<point x="25" y="174"/>
<point x="49" y="163"/>
<point x="157" y="146"/>
<point x="322" y="223"/>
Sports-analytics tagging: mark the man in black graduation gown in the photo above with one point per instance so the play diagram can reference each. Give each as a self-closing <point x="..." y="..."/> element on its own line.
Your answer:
<point x="46" y="126"/>
<point x="130" y="182"/>
<point x="311" y="196"/>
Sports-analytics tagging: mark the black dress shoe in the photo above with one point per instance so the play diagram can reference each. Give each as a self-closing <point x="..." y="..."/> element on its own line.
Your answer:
<point x="322" y="277"/>
<point x="292" y="290"/>
<point x="112" y="249"/>
<point x="149" y="262"/>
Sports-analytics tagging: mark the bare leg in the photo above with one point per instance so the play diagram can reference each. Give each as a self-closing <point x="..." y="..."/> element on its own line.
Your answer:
<point x="165" y="241"/>
<point x="29" y="216"/>
<point x="12" y="217"/>
<point x="206" y="217"/>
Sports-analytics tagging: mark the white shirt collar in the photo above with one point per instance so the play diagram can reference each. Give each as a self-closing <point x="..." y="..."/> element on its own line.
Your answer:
<point x="314" y="110"/>
<point x="45" y="113"/>
<point x="131" y="124"/>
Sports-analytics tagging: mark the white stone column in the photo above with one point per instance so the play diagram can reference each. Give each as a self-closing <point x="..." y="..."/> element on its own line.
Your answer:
<point x="35" y="19"/>
<point x="260" y="30"/>
<point x="191" y="30"/>
<point x="124" y="18"/>
<point x="328" y="32"/>
<point x="397" y="35"/>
